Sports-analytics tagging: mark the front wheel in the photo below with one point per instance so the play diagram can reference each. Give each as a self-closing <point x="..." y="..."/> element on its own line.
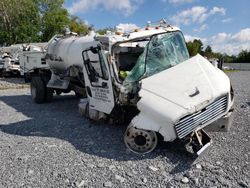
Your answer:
<point x="140" y="141"/>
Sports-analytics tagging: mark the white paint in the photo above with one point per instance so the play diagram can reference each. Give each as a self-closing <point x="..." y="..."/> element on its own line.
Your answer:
<point x="61" y="48"/>
<point x="30" y="60"/>
<point x="165" y="96"/>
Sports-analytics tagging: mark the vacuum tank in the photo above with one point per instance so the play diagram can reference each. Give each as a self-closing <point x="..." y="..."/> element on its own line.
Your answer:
<point x="65" y="52"/>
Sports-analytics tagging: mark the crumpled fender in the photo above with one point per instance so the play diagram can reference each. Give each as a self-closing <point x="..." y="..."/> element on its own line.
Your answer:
<point x="148" y="122"/>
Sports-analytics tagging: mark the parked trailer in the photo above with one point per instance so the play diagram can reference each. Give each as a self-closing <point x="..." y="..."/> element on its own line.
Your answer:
<point x="144" y="77"/>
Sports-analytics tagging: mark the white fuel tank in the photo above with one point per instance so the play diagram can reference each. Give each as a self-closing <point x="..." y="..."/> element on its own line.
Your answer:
<point x="65" y="52"/>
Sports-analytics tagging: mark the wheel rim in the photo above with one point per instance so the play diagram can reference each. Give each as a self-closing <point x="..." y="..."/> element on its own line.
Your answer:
<point x="139" y="140"/>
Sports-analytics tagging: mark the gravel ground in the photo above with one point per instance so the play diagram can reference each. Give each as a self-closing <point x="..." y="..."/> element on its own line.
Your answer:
<point x="50" y="145"/>
<point x="12" y="83"/>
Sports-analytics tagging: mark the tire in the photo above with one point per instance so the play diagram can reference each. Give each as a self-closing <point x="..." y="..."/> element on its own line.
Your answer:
<point x="38" y="90"/>
<point x="48" y="91"/>
<point x="140" y="141"/>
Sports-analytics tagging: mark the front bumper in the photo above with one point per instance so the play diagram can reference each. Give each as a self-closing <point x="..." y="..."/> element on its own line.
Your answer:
<point x="198" y="142"/>
<point x="202" y="118"/>
<point x="223" y="124"/>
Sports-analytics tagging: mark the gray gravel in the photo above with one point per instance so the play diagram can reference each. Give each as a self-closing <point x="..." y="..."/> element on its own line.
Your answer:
<point x="12" y="83"/>
<point x="50" y="145"/>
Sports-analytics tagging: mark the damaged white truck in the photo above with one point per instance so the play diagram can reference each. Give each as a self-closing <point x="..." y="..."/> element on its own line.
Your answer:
<point x="144" y="77"/>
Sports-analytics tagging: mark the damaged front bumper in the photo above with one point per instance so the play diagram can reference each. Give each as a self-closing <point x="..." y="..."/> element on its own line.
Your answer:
<point x="199" y="140"/>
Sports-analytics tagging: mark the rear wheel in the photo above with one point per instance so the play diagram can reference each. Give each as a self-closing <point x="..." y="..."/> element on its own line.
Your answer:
<point x="139" y="140"/>
<point x="38" y="90"/>
<point x="48" y="91"/>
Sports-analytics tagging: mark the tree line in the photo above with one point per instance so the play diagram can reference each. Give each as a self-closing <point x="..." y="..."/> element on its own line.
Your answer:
<point x="196" y="46"/>
<point x="24" y="21"/>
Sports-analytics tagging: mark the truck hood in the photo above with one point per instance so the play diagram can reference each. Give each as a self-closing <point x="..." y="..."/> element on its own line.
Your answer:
<point x="190" y="85"/>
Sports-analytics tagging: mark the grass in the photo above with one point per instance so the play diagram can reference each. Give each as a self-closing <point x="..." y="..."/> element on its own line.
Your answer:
<point x="226" y="71"/>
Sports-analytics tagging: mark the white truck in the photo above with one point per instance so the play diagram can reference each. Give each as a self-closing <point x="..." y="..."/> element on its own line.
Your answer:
<point x="145" y="78"/>
<point x="31" y="59"/>
<point x="23" y="59"/>
<point x="1" y="64"/>
<point x="10" y="65"/>
<point x="10" y="60"/>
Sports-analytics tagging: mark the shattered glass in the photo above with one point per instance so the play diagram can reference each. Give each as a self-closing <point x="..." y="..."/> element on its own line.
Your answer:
<point x="162" y="52"/>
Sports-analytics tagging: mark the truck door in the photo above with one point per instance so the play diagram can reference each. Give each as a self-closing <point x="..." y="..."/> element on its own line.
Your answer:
<point x="98" y="80"/>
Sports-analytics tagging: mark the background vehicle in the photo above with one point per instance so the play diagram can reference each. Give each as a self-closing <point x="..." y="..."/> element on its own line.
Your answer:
<point x="144" y="77"/>
<point x="10" y="58"/>
<point x="22" y="59"/>
<point x="31" y="59"/>
<point x="1" y="65"/>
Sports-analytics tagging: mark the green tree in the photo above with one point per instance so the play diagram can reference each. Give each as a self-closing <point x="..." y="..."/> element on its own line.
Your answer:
<point x="208" y="52"/>
<point x="104" y="30"/>
<point x="24" y="21"/>
<point x="194" y="47"/>
<point x="54" y="18"/>
<point x="243" y="57"/>
<point x="19" y="21"/>
<point x="229" y="58"/>
<point x="77" y="25"/>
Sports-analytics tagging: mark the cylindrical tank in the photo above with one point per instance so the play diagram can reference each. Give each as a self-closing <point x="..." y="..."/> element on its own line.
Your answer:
<point x="63" y="53"/>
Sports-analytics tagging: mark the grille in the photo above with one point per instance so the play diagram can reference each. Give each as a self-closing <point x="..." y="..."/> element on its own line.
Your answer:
<point x="189" y="123"/>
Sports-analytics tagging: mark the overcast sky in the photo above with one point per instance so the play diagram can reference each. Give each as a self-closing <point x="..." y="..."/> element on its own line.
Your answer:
<point x="223" y="24"/>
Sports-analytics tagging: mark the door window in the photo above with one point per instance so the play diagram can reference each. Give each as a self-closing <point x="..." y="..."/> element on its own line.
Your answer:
<point x="95" y="64"/>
